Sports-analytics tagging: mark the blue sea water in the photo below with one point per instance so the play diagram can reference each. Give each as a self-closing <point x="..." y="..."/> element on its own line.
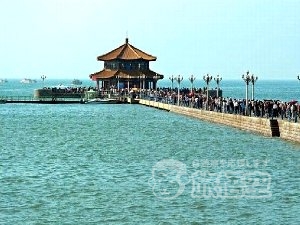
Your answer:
<point x="130" y="164"/>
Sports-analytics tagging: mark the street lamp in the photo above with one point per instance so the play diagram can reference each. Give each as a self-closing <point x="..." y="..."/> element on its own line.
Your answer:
<point x="218" y="80"/>
<point x="172" y="78"/>
<point x="43" y="77"/>
<point x="247" y="79"/>
<point x="253" y="80"/>
<point x="178" y="79"/>
<point x="207" y="80"/>
<point x="192" y="78"/>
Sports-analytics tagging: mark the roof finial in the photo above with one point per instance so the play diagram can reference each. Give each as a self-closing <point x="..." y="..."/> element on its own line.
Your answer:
<point x="126" y="40"/>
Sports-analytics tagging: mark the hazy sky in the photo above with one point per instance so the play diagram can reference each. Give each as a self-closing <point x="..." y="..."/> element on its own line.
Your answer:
<point x="62" y="38"/>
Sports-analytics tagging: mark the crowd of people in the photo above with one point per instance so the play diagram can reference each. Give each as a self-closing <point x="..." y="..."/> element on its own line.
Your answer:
<point x="267" y="108"/>
<point x="69" y="90"/>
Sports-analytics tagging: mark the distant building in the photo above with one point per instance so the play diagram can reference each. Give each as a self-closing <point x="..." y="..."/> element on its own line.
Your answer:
<point x="126" y="67"/>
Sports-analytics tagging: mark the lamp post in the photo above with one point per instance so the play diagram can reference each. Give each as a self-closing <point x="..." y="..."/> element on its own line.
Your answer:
<point x="247" y="79"/>
<point x="207" y="80"/>
<point x="253" y="80"/>
<point x="178" y="79"/>
<point x="43" y="77"/>
<point x="192" y="78"/>
<point x="218" y="80"/>
<point x="172" y="78"/>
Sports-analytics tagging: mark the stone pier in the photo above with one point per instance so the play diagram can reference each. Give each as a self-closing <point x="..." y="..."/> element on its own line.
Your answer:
<point x="267" y="127"/>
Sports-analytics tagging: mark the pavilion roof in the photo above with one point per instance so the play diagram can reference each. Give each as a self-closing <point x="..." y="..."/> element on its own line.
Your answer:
<point x="108" y="74"/>
<point x="126" y="52"/>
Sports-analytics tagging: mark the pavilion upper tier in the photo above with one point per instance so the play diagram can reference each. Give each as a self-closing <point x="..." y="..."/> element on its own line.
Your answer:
<point x="126" y="52"/>
<point x="126" y="64"/>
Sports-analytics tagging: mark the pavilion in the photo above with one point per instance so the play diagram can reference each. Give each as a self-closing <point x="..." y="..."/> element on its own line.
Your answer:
<point x="126" y="67"/>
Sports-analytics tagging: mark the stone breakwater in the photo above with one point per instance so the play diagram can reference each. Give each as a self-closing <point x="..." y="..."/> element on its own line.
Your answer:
<point x="267" y="127"/>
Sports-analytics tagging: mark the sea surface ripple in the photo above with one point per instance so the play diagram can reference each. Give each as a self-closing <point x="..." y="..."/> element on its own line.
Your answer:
<point x="95" y="164"/>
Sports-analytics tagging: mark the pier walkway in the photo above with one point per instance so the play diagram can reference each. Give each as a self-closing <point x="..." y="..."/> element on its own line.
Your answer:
<point x="58" y="100"/>
<point x="31" y="99"/>
<point x="264" y="126"/>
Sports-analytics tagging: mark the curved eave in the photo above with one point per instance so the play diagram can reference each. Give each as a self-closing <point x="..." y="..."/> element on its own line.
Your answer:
<point x="100" y="58"/>
<point x="126" y="52"/>
<point x="108" y="74"/>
